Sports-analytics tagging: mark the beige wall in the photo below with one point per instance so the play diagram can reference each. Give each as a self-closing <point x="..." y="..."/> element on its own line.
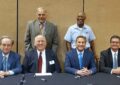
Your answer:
<point x="8" y="18"/>
<point x="102" y="15"/>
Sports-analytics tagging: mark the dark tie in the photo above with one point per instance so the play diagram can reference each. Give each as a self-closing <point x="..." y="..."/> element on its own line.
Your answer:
<point x="40" y="63"/>
<point x="81" y="60"/>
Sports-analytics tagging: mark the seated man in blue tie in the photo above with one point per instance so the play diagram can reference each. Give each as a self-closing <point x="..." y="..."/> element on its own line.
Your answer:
<point x="110" y="58"/>
<point x="40" y="59"/>
<point x="80" y="61"/>
<point x="9" y="60"/>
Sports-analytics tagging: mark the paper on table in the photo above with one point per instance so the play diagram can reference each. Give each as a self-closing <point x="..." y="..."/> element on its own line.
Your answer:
<point x="43" y="74"/>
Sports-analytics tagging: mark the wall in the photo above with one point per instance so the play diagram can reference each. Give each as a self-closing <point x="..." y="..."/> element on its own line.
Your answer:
<point x="102" y="15"/>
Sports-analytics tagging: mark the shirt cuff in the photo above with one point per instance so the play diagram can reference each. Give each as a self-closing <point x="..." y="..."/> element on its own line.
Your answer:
<point x="11" y="72"/>
<point x="91" y="72"/>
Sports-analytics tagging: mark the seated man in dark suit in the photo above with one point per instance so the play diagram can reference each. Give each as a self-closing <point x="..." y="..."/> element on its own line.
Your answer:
<point x="110" y="58"/>
<point x="9" y="60"/>
<point x="40" y="59"/>
<point x="80" y="61"/>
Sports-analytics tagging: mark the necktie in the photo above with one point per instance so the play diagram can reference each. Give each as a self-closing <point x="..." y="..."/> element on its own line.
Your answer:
<point x="41" y="29"/>
<point x="115" y="62"/>
<point x="81" y="60"/>
<point x="40" y="63"/>
<point x="5" y="63"/>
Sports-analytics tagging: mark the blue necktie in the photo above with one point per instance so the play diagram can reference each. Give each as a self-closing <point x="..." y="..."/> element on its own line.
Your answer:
<point x="5" y="63"/>
<point x="81" y="60"/>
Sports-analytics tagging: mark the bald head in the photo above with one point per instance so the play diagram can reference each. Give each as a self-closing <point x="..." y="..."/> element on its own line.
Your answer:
<point x="41" y="14"/>
<point x="41" y="10"/>
<point x="40" y="42"/>
<point x="82" y="14"/>
<point x="80" y="19"/>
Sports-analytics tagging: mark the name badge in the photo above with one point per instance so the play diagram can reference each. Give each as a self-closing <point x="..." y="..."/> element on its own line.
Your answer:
<point x="51" y="62"/>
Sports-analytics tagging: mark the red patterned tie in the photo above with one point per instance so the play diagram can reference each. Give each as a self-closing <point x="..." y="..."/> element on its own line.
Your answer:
<point x="40" y="63"/>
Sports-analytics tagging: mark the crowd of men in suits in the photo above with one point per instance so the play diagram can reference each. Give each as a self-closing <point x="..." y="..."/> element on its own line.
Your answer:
<point x="41" y="42"/>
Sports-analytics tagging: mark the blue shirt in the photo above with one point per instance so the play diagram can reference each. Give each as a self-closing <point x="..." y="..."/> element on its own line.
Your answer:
<point x="74" y="31"/>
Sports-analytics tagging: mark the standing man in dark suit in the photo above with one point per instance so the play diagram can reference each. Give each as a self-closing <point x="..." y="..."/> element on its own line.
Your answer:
<point x="80" y="61"/>
<point x="40" y="59"/>
<point x="110" y="58"/>
<point x="43" y="27"/>
<point x="9" y="60"/>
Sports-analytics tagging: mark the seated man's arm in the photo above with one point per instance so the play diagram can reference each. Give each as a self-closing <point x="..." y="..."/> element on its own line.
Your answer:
<point x="67" y="65"/>
<point x="102" y="62"/>
<point x="17" y="67"/>
<point x="92" y="69"/>
<point x="57" y="64"/>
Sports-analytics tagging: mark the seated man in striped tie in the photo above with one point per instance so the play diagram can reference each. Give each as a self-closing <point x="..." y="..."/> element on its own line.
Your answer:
<point x="40" y="59"/>
<point x="80" y="61"/>
<point x="110" y="58"/>
<point x="9" y="60"/>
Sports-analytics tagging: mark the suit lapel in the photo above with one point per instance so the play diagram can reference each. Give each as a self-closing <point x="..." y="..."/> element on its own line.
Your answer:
<point x="85" y="58"/>
<point x="119" y="57"/>
<point x="110" y="59"/>
<point x="35" y="55"/>
<point x="47" y="59"/>
<point x="75" y="57"/>
<point x="1" y="58"/>
<point x="46" y="28"/>
<point x="36" y="27"/>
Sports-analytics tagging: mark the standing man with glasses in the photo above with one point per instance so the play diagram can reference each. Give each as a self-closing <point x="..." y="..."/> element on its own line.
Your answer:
<point x="9" y="60"/>
<point x="80" y="61"/>
<point x="110" y="58"/>
<point x="43" y="27"/>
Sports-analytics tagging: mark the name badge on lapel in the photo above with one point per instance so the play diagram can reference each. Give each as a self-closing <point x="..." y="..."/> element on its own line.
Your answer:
<point x="51" y="62"/>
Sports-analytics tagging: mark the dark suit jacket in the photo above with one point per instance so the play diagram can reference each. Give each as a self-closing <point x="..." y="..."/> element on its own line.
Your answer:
<point x="14" y="62"/>
<point x="33" y="29"/>
<point x="30" y="63"/>
<point x="72" y="62"/>
<point x="106" y="61"/>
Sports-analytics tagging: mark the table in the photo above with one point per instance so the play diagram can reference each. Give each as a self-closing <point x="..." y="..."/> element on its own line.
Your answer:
<point x="62" y="79"/>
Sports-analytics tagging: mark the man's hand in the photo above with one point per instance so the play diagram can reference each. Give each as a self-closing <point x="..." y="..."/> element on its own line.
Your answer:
<point x="116" y="71"/>
<point x="83" y="72"/>
<point x="3" y="74"/>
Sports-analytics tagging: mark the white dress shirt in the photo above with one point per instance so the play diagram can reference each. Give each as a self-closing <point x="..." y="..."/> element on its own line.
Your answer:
<point x="44" y="70"/>
<point x="113" y="55"/>
<point x="7" y="55"/>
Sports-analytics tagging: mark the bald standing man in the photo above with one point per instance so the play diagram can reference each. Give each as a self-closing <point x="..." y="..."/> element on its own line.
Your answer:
<point x="40" y="59"/>
<point x="43" y="27"/>
<point x="80" y="28"/>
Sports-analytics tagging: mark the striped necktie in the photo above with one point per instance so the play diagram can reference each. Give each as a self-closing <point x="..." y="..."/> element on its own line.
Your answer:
<point x="42" y="28"/>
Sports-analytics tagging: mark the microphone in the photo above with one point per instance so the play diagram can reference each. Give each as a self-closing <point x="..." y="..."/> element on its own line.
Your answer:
<point x="42" y="79"/>
<point x="77" y="77"/>
<point x="22" y="81"/>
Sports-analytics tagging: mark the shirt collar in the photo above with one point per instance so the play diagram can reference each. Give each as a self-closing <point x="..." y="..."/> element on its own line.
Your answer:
<point x="77" y="27"/>
<point x="38" y="52"/>
<point x="5" y="55"/>
<point x="114" y="52"/>
<point x="78" y="52"/>
<point x="43" y="23"/>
